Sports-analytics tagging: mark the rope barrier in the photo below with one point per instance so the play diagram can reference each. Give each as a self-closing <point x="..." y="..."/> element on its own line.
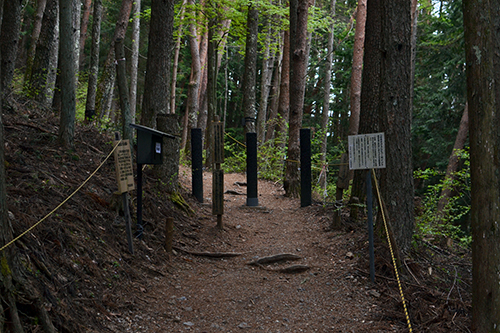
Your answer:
<point x="392" y="252"/>
<point x="62" y="203"/>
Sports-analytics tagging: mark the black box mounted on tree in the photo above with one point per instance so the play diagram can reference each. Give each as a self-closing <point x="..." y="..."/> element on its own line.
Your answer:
<point x="149" y="144"/>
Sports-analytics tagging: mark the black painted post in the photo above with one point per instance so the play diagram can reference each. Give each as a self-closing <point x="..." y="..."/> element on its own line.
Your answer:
<point x="369" y="206"/>
<point x="305" y="167"/>
<point x="197" y="163"/>
<point x="252" y="195"/>
<point x="140" y="228"/>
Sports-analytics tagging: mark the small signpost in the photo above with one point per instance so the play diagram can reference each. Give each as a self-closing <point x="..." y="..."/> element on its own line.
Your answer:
<point x="218" y="172"/>
<point x="125" y="179"/>
<point x="366" y="152"/>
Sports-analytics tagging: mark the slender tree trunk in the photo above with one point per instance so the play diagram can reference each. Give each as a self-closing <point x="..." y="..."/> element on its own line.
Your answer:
<point x="212" y="69"/>
<point x="104" y="92"/>
<point x="284" y="97"/>
<point x="42" y="79"/>
<point x="37" y="27"/>
<point x="121" y="74"/>
<point x="94" y="61"/>
<point x="482" y="46"/>
<point x="176" y="61"/>
<point x="194" y="84"/>
<point x="87" y="6"/>
<point x="134" y="58"/>
<point x="249" y="78"/>
<point x="453" y="162"/>
<point x="202" y="91"/>
<point x="77" y="11"/>
<point x="9" y="41"/>
<point x="275" y="94"/>
<point x="265" y="86"/>
<point x="298" y="65"/>
<point x="68" y="74"/>
<point x="326" y="99"/>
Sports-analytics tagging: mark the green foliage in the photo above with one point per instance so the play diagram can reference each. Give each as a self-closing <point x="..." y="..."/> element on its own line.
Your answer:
<point x="451" y="222"/>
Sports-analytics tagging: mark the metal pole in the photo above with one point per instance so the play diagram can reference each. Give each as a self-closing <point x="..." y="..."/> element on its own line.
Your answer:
<point x="252" y="194"/>
<point x="140" y="228"/>
<point x="369" y="205"/>
<point x="197" y="163"/>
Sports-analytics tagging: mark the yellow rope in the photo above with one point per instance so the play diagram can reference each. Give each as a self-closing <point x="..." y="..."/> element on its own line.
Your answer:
<point x="392" y="253"/>
<point x="235" y="139"/>
<point x="62" y="203"/>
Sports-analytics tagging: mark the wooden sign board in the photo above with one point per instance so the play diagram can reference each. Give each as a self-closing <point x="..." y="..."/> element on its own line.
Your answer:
<point x="366" y="151"/>
<point x="123" y="166"/>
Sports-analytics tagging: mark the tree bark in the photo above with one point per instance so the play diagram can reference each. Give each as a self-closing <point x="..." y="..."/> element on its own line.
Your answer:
<point x="275" y="94"/>
<point x="77" y="11"/>
<point x="94" y="61"/>
<point x="9" y="41"/>
<point x="482" y="46"/>
<point x="134" y="57"/>
<point x="249" y="76"/>
<point x="157" y="82"/>
<point x="121" y="74"/>
<point x="168" y="171"/>
<point x="104" y="92"/>
<point x="87" y="4"/>
<point x="284" y="97"/>
<point x="35" y="35"/>
<point x="43" y="74"/>
<point x="298" y="65"/>
<point x="453" y="162"/>
<point x="175" y="65"/>
<point x="68" y="75"/>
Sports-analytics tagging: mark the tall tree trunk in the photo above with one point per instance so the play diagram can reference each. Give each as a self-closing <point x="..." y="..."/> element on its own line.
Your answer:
<point x="134" y="58"/>
<point x="326" y="99"/>
<point x="121" y="75"/>
<point x="35" y="34"/>
<point x="194" y="82"/>
<point x="249" y="78"/>
<point x="68" y="74"/>
<point x="298" y="65"/>
<point x="396" y="181"/>
<point x="94" y="61"/>
<point x="157" y="82"/>
<point x="482" y="47"/>
<point x="9" y="41"/>
<point x="202" y="91"/>
<point x="87" y="6"/>
<point x="175" y="65"/>
<point x="275" y="94"/>
<point x="212" y="69"/>
<point x="453" y="162"/>
<point x="77" y="11"/>
<point x="104" y="92"/>
<point x="284" y="97"/>
<point x="42" y="79"/>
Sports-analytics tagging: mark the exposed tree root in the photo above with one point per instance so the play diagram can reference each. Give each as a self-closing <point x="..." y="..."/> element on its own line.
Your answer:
<point x="210" y="254"/>
<point x="274" y="259"/>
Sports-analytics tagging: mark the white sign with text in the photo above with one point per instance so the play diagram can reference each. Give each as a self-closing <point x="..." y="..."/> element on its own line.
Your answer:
<point x="366" y="151"/>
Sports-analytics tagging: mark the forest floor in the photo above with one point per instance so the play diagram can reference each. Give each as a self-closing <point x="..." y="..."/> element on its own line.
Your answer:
<point x="78" y="258"/>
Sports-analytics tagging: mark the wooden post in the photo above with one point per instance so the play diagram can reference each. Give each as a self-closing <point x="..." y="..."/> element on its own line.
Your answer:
<point x="218" y="173"/>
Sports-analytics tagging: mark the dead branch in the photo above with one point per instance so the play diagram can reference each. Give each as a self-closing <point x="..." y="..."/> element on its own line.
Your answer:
<point x="275" y="258"/>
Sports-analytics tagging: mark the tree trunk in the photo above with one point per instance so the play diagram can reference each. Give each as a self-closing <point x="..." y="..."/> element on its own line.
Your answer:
<point x="121" y="74"/>
<point x="176" y="60"/>
<point x="194" y="83"/>
<point x="157" y="82"/>
<point x="482" y="46"/>
<point x="134" y="57"/>
<point x="94" y="61"/>
<point x="35" y="34"/>
<point x="298" y="65"/>
<point x="453" y="162"/>
<point x="168" y="171"/>
<point x="249" y="78"/>
<point x="104" y="92"/>
<point x="265" y="85"/>
<point x="9" y="41"/>
<point x="68" y="75"/>
<point x="326" y="100"/>
<point x="396" y="182"/>
<point x="284" y="97"/>
<point x="212" y="69"/>
<point x="87" y="4"/>
<point x="42" y="79"/>
<point x="77" y="11"/>
<point x="274" y="95"/>
<point x="370" y="90"/>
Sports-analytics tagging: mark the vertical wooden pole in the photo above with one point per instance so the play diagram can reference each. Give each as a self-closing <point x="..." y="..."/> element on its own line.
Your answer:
<point x="169" y="234"/>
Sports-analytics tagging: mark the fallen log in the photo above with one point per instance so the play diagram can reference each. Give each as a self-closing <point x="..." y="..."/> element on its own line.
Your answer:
<point x="274" y="259"/>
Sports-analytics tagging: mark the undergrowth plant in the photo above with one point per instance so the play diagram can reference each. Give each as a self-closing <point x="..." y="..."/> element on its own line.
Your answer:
<point x="451" y="221"/>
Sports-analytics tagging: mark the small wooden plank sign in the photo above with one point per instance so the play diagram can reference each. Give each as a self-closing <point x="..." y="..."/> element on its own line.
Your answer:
<point x="123" y="166"/>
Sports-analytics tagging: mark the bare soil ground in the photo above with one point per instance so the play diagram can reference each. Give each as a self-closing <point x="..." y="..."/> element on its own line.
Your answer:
<point x="78" y="258"/>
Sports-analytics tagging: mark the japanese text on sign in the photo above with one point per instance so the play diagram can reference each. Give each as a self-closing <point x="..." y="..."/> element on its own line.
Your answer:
<point x="366" y="151"/>
<point x="123" y="166"/>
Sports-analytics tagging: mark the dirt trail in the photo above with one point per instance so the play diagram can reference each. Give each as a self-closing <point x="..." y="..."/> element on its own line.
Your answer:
<point x="200" y="294"/>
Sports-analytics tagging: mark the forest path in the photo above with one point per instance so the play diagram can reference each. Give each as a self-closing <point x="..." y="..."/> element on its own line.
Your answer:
<point x="201" y="294"/>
